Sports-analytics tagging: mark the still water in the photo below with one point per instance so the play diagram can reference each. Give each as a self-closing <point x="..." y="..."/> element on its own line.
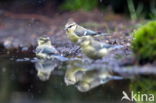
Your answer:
<point x="29" y="80"/>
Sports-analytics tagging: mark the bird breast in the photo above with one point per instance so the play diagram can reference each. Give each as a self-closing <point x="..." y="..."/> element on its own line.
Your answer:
<point x="72" y="36"/>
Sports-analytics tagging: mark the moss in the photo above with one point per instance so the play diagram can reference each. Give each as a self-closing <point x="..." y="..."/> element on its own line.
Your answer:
<point x="144" y="43"/>
<point x="79" y="4"/>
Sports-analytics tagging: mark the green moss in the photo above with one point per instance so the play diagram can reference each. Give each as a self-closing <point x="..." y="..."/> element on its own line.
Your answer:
<point x="79" y="4"/>
<point x="144" y="43"/>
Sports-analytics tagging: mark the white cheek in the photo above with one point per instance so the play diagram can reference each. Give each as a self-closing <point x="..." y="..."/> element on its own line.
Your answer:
<point x="73" y="28"/>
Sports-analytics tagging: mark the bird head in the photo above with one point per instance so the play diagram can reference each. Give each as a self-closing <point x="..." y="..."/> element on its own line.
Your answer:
<point x="83" y="86"/>
<point x="71" y="76"/>
<point x="69" y="80"/>
<point x="44" y="41"/>
<point x="70" y="25"/>
<point x="85" y="40"/>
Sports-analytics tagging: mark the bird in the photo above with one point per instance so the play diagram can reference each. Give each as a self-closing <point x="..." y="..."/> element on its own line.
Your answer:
<point x="95" y="49"/>
<point x="45" y="50"/>
<point x="75" y="31"/>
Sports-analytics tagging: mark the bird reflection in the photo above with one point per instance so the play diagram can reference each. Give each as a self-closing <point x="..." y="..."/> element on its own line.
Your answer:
<point x="95" y="77"/>
<point x="73" y="73"/>
<point x="44" y="68"/>
<point x="86" y="78"/>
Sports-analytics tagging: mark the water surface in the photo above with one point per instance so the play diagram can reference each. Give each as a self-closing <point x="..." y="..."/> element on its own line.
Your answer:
<point x="20" y="82"/>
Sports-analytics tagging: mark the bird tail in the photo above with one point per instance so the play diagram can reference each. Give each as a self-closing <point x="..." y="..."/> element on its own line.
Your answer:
<point x="103" y="34"/>
<point x="117" y="78"/>
<point x="61" y="58"/>
<point x="111" y="78"/>
<point x="116" y="47"/>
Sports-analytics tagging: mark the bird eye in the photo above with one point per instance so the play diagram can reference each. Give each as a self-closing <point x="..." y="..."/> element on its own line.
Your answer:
<point x="70" y="26"/>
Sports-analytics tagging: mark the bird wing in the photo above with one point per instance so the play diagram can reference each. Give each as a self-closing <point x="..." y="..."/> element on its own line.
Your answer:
<point x="90" y="32"/>
<point x="38" y="49"/>
<point x="47" y="50"/>
<point x="81" y="31"/>
<point x="96" y="44"/>
<point x="99" y="45"/>
<point x="104" y="45"/>
<point x="61" y="58"/>
<point x="50" y="50"/>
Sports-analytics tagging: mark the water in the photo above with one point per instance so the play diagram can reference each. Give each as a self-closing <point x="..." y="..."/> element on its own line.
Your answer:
<point x="39" y="81"/>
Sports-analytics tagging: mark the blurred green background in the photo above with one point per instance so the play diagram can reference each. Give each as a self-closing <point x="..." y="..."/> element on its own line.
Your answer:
<point x="133" y="8"/>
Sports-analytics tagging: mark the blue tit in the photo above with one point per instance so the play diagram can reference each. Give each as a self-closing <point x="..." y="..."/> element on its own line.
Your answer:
<point x="75" y="31"/>
<point x="45" y="49"/>
<point x="95" y="49"/>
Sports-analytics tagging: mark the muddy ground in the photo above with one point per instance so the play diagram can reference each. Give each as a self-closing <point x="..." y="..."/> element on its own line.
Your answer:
<point x="22" y="30"/>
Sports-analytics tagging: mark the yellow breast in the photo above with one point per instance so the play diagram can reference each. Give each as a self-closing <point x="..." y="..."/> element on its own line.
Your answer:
<point x="92" y="53"/>
<point x="72" y="36"/>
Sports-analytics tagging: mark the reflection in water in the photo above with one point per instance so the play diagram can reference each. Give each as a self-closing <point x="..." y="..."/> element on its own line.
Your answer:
<point x="72" y="74"/>
<point x="87" y="78"/>
<point x="93" y="78"/>
<point x="44" y="68"/>
<point x="18" y="83"/>
<point x="5" y="84"/>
